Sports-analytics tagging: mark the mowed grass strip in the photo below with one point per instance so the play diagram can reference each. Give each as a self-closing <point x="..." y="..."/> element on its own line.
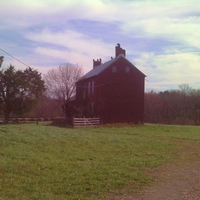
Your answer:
<point x="45" y="162"/>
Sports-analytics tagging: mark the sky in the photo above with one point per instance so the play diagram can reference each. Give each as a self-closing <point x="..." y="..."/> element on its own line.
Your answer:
<point x="161" y="38"/>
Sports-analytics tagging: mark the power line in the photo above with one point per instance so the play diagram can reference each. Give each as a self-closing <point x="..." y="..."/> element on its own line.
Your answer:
<point x="14" y="58"/>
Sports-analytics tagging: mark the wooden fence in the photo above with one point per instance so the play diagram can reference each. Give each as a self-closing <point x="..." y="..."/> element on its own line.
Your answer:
<point x="75" y="122"/>
<point x="17" y="120"/>
<point x="80" y="122"/>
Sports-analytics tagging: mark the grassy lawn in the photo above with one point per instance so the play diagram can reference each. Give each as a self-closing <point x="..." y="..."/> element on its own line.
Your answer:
<point x="45" y="162"/>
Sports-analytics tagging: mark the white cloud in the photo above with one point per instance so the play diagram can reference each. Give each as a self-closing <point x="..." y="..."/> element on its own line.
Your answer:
<point x="79" y="48"/>
<point x="170" y="69"/>
<point x="65" y="57"/>
<point x="73" y="40"/>
<point x="43" y="28"/>
<point x="27" y="13"/>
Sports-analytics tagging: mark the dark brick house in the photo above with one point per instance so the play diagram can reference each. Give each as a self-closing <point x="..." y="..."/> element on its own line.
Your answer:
<point x="113" y="91"/>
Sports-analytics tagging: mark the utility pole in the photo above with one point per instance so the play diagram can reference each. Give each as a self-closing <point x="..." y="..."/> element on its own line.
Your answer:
<point x="1" y="60"/>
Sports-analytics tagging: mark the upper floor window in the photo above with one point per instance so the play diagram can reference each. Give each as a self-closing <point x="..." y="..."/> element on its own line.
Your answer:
<point x="127" y="69"/>
<point x="114" y="69"/>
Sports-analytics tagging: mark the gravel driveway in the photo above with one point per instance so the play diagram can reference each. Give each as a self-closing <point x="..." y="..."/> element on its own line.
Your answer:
<point x="177" y="181"/>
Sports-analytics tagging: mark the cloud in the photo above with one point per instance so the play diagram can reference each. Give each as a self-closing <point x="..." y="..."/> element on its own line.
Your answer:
<point x="28" y="13"/>
<point x="63" y="56"/>
<point x="78" y="48"/>
<point x="161" y="37"/>
<point x="168" y="20"/>
<point x="71" y="39"/>
<point x="170" y="69"/>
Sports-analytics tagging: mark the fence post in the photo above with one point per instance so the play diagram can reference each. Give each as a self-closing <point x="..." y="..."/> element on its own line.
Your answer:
<point x="85" y="121"/>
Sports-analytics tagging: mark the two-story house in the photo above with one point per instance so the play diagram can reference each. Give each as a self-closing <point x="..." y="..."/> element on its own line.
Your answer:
<point x="113" y="91"/>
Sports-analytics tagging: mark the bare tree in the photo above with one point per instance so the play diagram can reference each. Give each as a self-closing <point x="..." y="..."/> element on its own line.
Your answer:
<point x="185" y="89"/>
<point x="61" y="84"/>
<point x="194" y="111"/>
<point x="47" y="108"/>
<point x="173" y="106"/>
<point x="153" y="107"/>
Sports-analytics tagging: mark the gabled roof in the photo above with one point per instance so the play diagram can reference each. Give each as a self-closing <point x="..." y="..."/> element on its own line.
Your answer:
<point x="98" y="69"/>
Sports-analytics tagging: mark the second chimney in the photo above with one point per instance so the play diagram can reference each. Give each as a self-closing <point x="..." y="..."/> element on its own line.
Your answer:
<point x="96" y="63"/>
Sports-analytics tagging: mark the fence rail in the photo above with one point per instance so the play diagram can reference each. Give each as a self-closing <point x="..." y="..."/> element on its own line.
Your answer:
<point x="80" y="122"/>
<point x="15" y="120"/>
<point x="75" y="122"/>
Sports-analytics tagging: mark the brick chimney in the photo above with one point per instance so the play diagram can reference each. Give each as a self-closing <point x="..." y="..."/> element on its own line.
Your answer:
<point x="96" y="63"/>
<point x="119" y="50"/>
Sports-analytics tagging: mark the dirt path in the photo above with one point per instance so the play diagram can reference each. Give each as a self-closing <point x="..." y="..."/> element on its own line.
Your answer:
<point x="178" y="181"/>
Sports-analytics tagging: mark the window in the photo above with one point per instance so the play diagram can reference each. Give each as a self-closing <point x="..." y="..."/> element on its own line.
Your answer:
<point x="93" y="87"/>
<point x="114" y="69"/>
<point x="88" y="87"/>
<point x="127" y="69"/>
<point x="84" y="91"/>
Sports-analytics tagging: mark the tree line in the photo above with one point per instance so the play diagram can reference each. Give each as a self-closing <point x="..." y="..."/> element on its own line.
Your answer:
<point x="181" y="106"/>
<point x="26" y="93"/>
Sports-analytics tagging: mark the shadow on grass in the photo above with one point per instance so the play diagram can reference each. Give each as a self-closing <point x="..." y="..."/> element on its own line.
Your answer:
<point x="61" y="124"/>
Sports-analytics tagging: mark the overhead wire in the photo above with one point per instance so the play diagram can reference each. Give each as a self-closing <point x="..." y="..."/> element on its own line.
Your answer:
<point x="14" y="58"/>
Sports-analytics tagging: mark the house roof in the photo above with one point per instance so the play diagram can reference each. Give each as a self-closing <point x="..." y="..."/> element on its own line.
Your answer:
<point x="98" y="69"/>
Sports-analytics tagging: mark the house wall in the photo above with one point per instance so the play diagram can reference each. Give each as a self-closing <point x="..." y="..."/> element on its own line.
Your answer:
<point x="117" y="96"/>
<point x="85" y="97"/>
<point x="121" y="96"/>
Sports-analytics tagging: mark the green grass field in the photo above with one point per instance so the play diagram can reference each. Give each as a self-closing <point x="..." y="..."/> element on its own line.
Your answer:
<point x="46" y="162"/>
